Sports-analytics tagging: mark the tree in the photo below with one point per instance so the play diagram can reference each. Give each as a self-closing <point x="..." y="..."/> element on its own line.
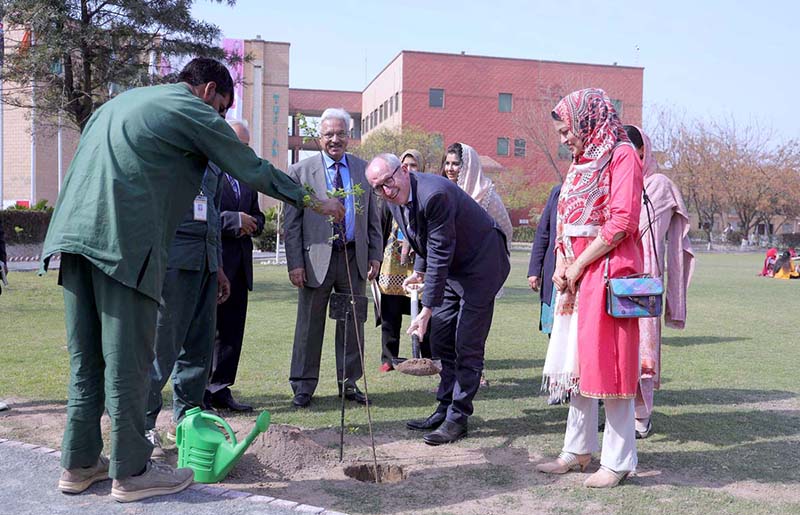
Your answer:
<point x="520" y="190"/>
<point x="70" y="56"/>
<point x="398" y="140"/>
<point x="534" y="121"/>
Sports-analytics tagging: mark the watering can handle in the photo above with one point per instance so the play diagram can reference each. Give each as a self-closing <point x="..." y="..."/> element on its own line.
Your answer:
<point x="231" y="435"/>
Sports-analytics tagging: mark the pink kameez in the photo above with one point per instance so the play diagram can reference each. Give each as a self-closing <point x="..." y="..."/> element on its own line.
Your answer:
<point x="608" y="347"/>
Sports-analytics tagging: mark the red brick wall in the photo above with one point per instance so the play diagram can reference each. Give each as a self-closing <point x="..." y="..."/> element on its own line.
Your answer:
<point x="317" y="100"/>
<point x="472" y="85"/>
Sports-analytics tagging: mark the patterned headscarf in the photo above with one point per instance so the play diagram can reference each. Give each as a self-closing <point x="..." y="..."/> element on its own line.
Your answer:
<point x="590" y="115"/>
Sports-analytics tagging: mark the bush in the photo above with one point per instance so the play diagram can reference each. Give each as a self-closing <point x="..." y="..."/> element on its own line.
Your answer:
<point x="524" y="233"/>
<point x="698" y="235"/>
<point x="265" y="241"/>
<point x="25" y="225"/>
<point x="789" y="240"/>
<point x="734" y="237"/>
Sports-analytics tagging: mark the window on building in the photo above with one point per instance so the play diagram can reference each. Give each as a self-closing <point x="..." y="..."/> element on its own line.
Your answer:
<point x="504" y="102"/>
<point x="564" y="152"/>
<point x="435" y="97"/>
<point x="617" y="106"/>
<point x="502" y="146"/>
<point x="391" y="105"/>
<point x="386" y="110"/>
<point x="380" y="113"/>
<point x="519" y="147"/>
<point x="363" y="126"/>
<point x="397" y="101"/>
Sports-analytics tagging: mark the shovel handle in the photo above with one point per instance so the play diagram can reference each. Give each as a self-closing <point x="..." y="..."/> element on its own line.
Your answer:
<point x="414" y="312"/>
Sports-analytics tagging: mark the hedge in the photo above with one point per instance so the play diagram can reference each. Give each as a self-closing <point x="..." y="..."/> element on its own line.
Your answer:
<point x="24" y="226"/>
<point x="265" y="241"/>
<point x="524" y="233"/>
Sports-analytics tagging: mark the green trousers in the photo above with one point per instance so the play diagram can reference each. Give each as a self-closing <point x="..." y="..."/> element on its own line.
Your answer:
<point x="110" y="333"/>
<point x="184" y="342"/>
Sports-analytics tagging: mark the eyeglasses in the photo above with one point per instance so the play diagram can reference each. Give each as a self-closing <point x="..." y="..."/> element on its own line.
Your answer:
<point x="388" y="183"/>
<point x="330" y="135"/>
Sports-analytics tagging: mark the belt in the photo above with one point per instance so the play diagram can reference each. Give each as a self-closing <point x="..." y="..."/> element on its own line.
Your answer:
<point x="581" y="230"/>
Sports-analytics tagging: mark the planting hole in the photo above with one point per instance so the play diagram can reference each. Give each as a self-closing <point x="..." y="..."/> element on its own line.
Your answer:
<point x="366" y="473"/>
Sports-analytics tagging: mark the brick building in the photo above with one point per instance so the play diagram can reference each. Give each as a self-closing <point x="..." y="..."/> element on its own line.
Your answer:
<point x="500" y="106"/>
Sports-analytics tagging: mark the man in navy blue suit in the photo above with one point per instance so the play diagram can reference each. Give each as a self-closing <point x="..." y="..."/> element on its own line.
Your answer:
<point x="463" y="261"/>
<point x="241" y="219"/>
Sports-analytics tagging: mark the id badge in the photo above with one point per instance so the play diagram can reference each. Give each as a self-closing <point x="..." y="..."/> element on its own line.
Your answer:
<point x="200" y="208"/>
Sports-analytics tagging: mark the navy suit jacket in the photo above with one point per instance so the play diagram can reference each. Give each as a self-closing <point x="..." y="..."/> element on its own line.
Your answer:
<point x="543" y="256"/>
<point x="237" y="251"/>
<point x="456" y="241"/>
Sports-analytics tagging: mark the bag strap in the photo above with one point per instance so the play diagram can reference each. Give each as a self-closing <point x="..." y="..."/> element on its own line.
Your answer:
<point x="647" y="205"/>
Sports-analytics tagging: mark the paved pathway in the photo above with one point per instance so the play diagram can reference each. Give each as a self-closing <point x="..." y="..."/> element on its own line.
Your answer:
<point x="28" y="477"/>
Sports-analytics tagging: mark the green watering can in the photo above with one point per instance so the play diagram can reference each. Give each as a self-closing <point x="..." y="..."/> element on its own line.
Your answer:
<point x="208" y="449"/>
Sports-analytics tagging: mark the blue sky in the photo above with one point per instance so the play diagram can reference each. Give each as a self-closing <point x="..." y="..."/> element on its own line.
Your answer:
<point x="702" y="58"/>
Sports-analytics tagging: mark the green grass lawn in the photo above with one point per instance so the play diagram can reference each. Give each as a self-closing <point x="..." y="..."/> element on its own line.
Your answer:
<point x="727" y="413"/>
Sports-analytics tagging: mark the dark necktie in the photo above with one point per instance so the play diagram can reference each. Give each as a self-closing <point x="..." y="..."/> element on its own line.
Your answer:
<point x="235" y="186"/>
<point x="339" y="228"/>
<point x="410" y="222"/>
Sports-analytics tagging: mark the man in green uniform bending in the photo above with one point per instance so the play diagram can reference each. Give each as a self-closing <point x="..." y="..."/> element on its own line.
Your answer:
<point x="137" y="168"/>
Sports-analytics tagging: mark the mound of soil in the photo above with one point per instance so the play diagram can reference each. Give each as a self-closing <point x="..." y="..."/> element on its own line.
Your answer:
<point x="419" y="367"/>
<point x="285" y="452"/>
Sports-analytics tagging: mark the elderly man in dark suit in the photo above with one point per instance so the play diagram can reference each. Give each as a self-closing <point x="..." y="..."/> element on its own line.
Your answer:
<point x="319" y="254"/>
<point x="463" y="260"/>
<point x="241" y="219"/>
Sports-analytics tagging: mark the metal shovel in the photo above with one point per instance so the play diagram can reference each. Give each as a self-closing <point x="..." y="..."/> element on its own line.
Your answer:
<point x="417" y="365"/>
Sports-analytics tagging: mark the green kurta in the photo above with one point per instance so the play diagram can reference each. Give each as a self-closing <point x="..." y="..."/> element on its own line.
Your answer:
<point x="138" y="166"/>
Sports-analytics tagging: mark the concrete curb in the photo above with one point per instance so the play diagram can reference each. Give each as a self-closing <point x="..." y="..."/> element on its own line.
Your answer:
<point x="213" y="490"/>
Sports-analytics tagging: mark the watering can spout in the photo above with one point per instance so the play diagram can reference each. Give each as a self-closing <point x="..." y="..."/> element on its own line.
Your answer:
<point x="262" y="424"/>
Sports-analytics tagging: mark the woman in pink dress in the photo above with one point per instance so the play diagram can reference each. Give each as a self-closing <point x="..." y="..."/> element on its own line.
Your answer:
<point x="592" y="355"/>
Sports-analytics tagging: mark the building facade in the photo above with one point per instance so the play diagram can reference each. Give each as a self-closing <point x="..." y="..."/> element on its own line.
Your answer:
<point x="499" y="106"/>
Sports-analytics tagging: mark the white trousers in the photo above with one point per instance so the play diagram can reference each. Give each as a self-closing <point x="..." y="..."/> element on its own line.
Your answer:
<point x="644" y="398"/>
<point x="619" y="437"/>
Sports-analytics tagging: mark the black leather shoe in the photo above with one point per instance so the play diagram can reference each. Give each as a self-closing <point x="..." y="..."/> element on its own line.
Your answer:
<point x="301" y="400"/>
<point x="448" y="432"/>
<point x="356" y="395"/>
<point x="428" y="424"/>
<point x="229" y="403"/>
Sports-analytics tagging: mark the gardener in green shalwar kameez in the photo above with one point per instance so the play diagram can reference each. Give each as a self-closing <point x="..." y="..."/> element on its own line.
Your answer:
<point x="137" y="169"/>
<point x="186" y="322"/>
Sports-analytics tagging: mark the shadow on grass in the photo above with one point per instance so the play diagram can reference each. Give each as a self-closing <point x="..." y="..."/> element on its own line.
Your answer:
<point x="719" y="396"/>
<point x="509" y="364"/>
<point x="728" y="428"/>
<point x="761" y="462"/>
<point x="686" y="341"/>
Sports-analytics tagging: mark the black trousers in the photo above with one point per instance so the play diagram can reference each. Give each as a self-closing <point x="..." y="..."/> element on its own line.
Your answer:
<point x="458" y="337"/>
<point x="393" y="307"/>
<point x="231" y="318"/>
